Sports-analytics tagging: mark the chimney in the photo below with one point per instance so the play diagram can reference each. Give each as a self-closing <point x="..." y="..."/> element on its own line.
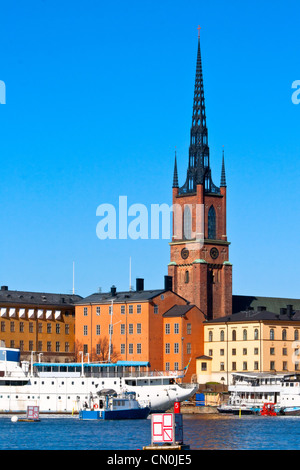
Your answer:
<point x="261" y="308"/>
<point x="113" y="290"/>
<point x="289" y="310"/>
<point x="168" y="282"/>
<point x="4" y="287"/>
<point x="139" y="284"/>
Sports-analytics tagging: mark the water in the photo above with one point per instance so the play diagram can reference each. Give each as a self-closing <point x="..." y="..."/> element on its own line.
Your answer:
<point x="201" y="432"/>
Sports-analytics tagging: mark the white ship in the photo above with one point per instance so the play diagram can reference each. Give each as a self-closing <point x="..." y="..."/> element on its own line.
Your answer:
<point x="58" y="387"/>
<point x="250" y="391"/>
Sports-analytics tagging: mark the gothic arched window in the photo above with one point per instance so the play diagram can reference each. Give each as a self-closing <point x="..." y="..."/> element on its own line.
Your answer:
<point x="212" y="223"/>
<point x="187" y="223"/>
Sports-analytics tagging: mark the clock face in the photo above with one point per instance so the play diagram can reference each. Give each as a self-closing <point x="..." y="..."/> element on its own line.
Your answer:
<point x="184" y="253"/>
<point x="214" y="253"/>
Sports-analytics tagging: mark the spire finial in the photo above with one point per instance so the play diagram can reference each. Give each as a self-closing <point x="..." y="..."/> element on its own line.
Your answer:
<point x="223" y="175"/>
<point x="175" y="176"/>
<point x="199" y="28"/>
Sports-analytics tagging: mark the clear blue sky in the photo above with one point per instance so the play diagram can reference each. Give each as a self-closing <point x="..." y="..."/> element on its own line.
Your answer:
<point x="98" y="94"/>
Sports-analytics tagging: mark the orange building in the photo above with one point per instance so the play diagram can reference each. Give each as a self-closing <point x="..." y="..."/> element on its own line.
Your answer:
<point x="133" y="324"/>
<point x="183" y="334"/>
<point x="38" y="323"/>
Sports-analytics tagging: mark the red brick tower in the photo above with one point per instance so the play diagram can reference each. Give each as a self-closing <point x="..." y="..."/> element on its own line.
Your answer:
<point x="199" y="263"/>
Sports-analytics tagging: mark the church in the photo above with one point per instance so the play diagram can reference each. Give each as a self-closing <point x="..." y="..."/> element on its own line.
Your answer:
<point x="199" y="261"/>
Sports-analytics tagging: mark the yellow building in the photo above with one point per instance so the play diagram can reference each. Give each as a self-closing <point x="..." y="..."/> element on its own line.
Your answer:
<point x="250" y="341"/>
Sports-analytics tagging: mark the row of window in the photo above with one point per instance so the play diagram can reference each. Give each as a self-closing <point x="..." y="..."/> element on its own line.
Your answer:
<point x="38" y="347"/>
<point x="176" y="328"/>
<point x="111" y="329"/>
<point x="21" y="329"/>
<point x="256" y="335"/>
<point x="138" y="309"/>
<point x="176" y="348"/>
<point x="255" y="352"/>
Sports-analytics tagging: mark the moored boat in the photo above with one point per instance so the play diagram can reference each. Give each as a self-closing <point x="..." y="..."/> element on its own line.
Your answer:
<point x="107" y="405"/>
<point x="55" y="387"/>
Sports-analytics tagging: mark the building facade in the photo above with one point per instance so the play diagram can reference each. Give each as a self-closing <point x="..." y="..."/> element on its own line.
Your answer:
<point x="199" y="250"/>
<point x="39" y="324"/>
<point x="154" y="326"/>
<point x="250" y="341"/>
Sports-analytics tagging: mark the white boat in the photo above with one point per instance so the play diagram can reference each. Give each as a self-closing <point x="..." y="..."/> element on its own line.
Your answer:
<point x="57" y="387"/>
<point x="249" y="391"/>
<point x="290" y="395"/>
<point x="107" y="405"/>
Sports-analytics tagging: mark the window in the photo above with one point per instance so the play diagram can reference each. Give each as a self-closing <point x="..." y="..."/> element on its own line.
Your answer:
<point x="210" y="336"/>
<point x="130" y="349"/>
<point x="233" y="352"/>
<point x="204" y="366"/>
<point x="245" y="367"/>
<point x="296" y="335"/>
<point x="85" y="311"/>
<point x="98" y="329"/>
<point x="49" y="328"/>
<point x="186" y="277"/>
<point x="272" y="336"/>
<point x="176" y="366"/>
<point x="167" y="366"/>
<point x="98" y="310"/>
<point x="176" y="348"/>
<point x="139" y="328"/>
<point x="189" y="348"/>
<point x="212" y="223"/>
<point x="167" y="328"/>
<point x="67" y="329"/>
<point x="139" y="348"/>
<point x="176" y="328"/>
<point x="284" y="335"/>
<point x="221" y="352"/>
<point x="244" y="351"/>
<point x="138" y="309"/>
<point x="21" y="326"/>
<point x="222" y="335"/>
<point x="256" y="351"/>
<point x="233" y="366"/>
<point x="244" y="335"/>
<point x="130" y="309"/>
<point x="57" y="328"/>
<point x="272" y="365"/>
<point x="122" y="309"/>
<point x="255" y="365"/>
<point x="110" y="310"/>
<point x="123" y="329"/>
<point x="130" y="328"/>
<point x="122" y="348"/>
<point x="272" y="351"/>
<point x="233" y="335"/>
<point x="31" y="329"/>
<point x="110" y="329"/>
<point x="155" y="308"/>
<point x="189" y="329"/>
<point x="256" y="333"/>
<point x="85" y="330"/>
<point x="167" y="348"/>
<point x="187" y="223"/>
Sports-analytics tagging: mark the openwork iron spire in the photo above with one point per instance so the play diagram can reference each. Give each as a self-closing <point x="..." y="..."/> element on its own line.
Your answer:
<point x="223" y="175"/>
<point x="199" y="167"/>
<point x="175" y="176"/>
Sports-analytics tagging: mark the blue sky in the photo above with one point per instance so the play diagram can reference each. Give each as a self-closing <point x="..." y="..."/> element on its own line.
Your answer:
<point x="98" y="94"/>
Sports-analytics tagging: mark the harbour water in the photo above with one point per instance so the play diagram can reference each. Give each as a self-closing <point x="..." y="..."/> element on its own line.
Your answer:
<point x="201" y="432"/>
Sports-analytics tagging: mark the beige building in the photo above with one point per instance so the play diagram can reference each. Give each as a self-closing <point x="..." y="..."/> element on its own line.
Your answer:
<point x="250" y="341"/>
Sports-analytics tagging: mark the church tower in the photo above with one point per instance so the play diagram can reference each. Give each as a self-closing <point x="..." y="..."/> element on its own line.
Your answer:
<point x="199" y="260"/>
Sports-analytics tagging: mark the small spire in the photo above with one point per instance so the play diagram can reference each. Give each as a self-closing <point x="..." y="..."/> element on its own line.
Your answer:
<point x="223" y="175"/>
<point x="175" y="176"/>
